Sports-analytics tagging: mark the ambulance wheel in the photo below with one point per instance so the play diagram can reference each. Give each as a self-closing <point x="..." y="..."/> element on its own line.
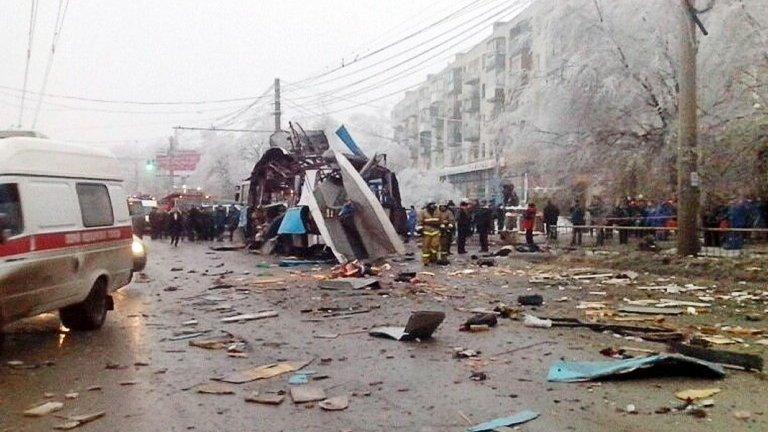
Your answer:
<point x="91" y="313"/>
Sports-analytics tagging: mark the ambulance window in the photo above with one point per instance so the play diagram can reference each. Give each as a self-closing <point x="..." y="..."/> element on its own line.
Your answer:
<point x="95" y="205"/>
<point x="10" y="206"/>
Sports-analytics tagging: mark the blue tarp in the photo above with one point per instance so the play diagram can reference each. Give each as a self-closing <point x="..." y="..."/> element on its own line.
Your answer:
<point x="585" y="371"/>
<point x="516" y="419"/>
<point x="292" y="222"/>
<point x="344" y="135"/>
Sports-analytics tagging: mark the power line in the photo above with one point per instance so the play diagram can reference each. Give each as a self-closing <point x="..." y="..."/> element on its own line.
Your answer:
<point x="408" y="71"/>
<point x="56" y="33"/>
<point x="215" y="129"/>
<point x="469" y="23"/>
<point x="121" y="111"/>
<point x="390" y="45"/>
<point x="135" y="102"/>
<point x="30" y="40"/>
<point x="514" y="8"/>
<point x="394" y="30"/>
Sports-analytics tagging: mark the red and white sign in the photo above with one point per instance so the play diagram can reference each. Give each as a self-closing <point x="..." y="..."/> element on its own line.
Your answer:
<point x="181" y="160"/>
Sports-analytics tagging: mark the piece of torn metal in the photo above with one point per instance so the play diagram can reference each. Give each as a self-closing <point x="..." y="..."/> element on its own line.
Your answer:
<point x="691" y="395"/>
<point x="265" y="398"/>
<point x="420" y="326"/>
<point x="725" y="357"/>
<point x="513" y="420"/>
<point x="651" y="310"/>
<point x="306" y="393"/>
<point x="72" y="422"/>
<point x="348" y="283"/>
<point x="264" y="372"/>
<point x="44" y="409"/>
<point x="215" y="389"/>
<point x="250" y="317"/>
<point x="337" y="403"/>
<point x="564" y="371"/>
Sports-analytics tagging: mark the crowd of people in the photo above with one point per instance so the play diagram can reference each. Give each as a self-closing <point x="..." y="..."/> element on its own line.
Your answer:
<point x="197" y="223"/>
<point x="631" y="217"/>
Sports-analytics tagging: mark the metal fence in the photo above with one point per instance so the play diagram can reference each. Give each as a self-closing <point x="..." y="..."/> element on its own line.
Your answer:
<point x="716" y="242"/>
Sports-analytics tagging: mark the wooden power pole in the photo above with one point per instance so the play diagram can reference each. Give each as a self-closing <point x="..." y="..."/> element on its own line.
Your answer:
<point x="688" y="181"/>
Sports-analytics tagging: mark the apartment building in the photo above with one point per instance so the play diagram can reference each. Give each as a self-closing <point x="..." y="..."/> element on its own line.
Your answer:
<point x="453" y="122"/>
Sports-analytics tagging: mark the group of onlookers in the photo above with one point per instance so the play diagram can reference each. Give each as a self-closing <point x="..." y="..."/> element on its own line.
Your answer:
<point x="195" y="224"/>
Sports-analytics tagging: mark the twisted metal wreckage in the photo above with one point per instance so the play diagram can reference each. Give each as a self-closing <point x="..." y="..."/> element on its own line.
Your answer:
<point x="299" y="186"/>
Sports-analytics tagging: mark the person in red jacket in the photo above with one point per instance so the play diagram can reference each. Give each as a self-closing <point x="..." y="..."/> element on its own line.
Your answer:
<point x="529" y="221"/>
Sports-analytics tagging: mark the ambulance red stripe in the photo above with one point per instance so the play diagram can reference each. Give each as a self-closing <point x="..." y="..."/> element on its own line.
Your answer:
<point x="64" y="240"/>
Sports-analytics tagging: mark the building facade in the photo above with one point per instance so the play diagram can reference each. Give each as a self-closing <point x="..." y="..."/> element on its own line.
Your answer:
<point x="454" y="123"/>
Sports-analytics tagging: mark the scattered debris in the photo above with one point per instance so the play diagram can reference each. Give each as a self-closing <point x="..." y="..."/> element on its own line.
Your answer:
<point x="215" y="389"/>
<point x="532" y="321"/>
<point x="265" y="399"/>
<point x="303" y="394"/>
<point x="485" y="319"/>
<point x="72" y="422"/>
<point x="250" y="317"/>
<point x="44" y="409"/>
<point x="264" y="372"/>
<point x="696" y="394"/>
<point x="742" y="415"/>
<point x="461" y="353"/>
<point x="563" y="371"/>
<point x="420" y="326"/>
<point x="405" y="276"/>
<point x="742" y="360"/>
<point x="651" y="310"/>
<point x="513" y="420"/>
<point x="337" y="403"/>
<point x="530" y="300"/>
<point x="348" y="283"/>
<point x="478" y="376"/>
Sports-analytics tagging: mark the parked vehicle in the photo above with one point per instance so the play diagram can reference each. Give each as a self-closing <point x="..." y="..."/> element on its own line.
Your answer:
<point x="66" y="240"/>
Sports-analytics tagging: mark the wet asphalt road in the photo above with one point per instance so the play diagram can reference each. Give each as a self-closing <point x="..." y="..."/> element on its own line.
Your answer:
<point x="150" y="382"/>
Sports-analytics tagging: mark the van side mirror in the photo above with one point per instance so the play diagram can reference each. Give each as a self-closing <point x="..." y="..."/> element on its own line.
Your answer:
<point x="5" y="232"/>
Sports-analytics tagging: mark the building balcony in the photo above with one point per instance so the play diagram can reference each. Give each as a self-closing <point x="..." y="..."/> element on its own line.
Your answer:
<point x="470" y="105"/>
<point x="494" y="61"/>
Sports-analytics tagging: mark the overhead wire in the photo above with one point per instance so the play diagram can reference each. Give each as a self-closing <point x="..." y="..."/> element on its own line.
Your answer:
<point x="334" y="92"/>
<point x="30" y="42"/>
<point x="65" y="107"/>
<point x="57" y="28"/>
<point x="395" y="30"/>
<point x="452" y="31"/>
<point x="135" y="102"/>
<point x="408" y="71"/>
<point x="395" y="43"/>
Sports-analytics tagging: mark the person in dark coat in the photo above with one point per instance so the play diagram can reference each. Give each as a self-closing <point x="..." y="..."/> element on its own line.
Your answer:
<point x="175" y="226"/>
<point x="484" y="224"/>
<point x="463" y="227"/>
<point x="551" y="214"/>
<point x="578" y="221"/>
<point x="738" y="217"/>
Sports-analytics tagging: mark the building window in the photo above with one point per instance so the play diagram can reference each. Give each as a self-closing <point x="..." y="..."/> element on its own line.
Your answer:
<point x="10" y="207"/>
<point x="95" y="205"/>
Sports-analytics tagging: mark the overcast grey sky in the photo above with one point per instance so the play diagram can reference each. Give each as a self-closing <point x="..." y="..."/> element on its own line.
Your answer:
<point x="182" y="50"/>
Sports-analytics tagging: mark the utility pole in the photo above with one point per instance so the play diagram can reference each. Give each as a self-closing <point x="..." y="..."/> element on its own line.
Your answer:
<point x="278" y="113"/>
<point x="688" y="181"/>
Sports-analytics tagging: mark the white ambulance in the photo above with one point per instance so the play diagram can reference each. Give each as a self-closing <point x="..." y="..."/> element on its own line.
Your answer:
<point x="66" y="240"/>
